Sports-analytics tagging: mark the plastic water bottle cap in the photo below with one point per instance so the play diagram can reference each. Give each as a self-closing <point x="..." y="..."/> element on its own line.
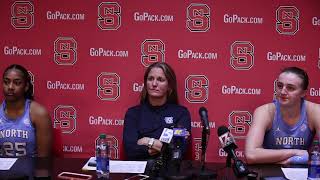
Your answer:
<point x="102" y="136"/>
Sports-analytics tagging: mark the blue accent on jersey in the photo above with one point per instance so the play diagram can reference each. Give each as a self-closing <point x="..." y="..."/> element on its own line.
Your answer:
<point x="17" y="136"/>
<point x="284" y="136"/>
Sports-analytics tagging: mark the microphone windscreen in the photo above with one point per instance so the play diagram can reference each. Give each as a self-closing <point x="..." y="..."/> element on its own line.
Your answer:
<point x="222" y="130"/>
<point x="201" y="110"/>
<point x="179" y="132"/>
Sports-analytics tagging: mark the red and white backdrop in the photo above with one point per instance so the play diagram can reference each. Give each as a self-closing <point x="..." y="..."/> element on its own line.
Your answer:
<point x="87" y="60"/>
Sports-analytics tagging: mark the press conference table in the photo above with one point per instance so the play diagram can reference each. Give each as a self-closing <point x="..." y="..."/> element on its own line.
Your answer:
<point x="39" y="167"/>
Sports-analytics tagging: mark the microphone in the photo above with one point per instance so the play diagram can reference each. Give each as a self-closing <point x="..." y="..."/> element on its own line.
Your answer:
<point x="179" y="138"/>
<point x="166" y="138"/>
<point x="227" y="141"/>
<point x="159" y="165"/>
<point x="171" y="153"/>
<point x="204" y="118"/>
<point x="166" y="135"/>
<point x="205" y="133"/>
<point x="176" y="152"/>
<point x="173" y="141"/>
<point x="228" y="144"/>
<point x="204" y="173"/>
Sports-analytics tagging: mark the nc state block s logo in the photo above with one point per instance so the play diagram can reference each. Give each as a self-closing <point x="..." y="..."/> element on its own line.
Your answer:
<point x="196" y="88"/>
<point x="65" y="51"/>
<point x="22" y="15"/>
<point x="108" y="86"/>
<point x="239" y="123"/>
<point x="152" y="50"/>
<point x="113" y="144"/>
<point x="287" y="20"/>
<point x="65" y="118"/>
<point x="198" y="17"/>
<point x="109" y="16"/>
<point x="242" y="55"/>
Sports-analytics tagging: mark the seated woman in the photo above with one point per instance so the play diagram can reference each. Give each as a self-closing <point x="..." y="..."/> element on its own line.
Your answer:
<point x="283" y="131"/>
<point x="25" y="126"/>
<point x="158" y="109"/>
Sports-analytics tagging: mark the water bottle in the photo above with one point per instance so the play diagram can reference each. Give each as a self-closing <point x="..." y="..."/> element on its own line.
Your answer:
<point x="102" y="158"/>
<point x="314" y="171"/>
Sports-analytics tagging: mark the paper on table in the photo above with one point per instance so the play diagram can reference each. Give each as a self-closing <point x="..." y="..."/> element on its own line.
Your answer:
<point x="120" y="166"/>
<point x="295" y="173"/>
<point x="7" y="163"/>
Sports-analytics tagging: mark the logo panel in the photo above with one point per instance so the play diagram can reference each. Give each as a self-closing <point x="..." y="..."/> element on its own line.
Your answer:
<point x="65" y="51"/>
<point x="198" y="17"/>
<point x="109" y="16"/>
<point x="152" y="51"/>
<point x="196" y="88"/>
<point x="242" y="55"/>
<point x="287" y="20"/>
<point x="22" y="15"/>
<point x="108" y="86"/>
<point x="65" y="118"/>
<point x="239" y="123"/>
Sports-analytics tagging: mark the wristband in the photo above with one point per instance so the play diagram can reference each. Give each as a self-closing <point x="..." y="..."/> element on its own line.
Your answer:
<point x="299" y="159"/>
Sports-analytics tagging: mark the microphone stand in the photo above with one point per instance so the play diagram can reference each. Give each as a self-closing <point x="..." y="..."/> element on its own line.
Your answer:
<point x="205" y="174"/>
<point x="228" y="171"/>
<point x="239" y="168"/>
<point x="204" y="144"/>
<point x="173" y="171"/>
<point x="228" y="162"/>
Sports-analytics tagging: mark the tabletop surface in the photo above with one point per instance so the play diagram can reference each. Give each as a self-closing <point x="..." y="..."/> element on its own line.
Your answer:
<point x="43" y="167"/>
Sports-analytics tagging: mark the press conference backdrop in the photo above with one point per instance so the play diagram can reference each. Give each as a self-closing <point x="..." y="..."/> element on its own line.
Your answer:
<point x="87" y="60"/>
